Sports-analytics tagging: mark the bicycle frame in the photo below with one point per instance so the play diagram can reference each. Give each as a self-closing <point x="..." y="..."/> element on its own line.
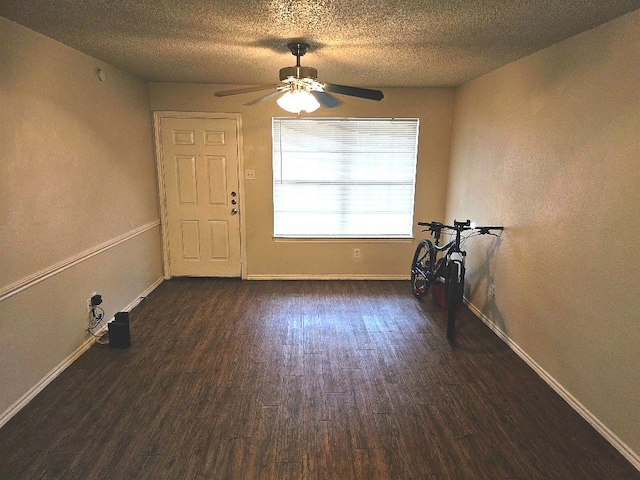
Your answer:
<point x="427" y="269"/>
<point x="453" y="250"/>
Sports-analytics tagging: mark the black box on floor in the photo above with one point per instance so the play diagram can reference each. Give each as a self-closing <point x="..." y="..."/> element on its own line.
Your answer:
<point x="119" y="335"/>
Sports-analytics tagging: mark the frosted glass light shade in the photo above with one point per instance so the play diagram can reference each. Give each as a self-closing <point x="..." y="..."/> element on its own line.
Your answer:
<point x="298" y="100"/>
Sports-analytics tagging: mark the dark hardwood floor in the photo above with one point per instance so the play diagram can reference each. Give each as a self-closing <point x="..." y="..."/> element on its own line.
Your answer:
<point x="229" y="379"/>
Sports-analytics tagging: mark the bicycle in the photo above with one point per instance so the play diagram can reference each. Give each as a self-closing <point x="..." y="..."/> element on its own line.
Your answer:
<point x="427" y="269"/>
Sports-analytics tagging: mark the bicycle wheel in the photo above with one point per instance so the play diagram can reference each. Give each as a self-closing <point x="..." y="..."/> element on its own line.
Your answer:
<point x="422" y="268"/>
<point x="454" y="295"/>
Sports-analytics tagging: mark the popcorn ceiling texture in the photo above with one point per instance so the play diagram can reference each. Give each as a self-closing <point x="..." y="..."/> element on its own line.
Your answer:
<point x="369" y="43"/>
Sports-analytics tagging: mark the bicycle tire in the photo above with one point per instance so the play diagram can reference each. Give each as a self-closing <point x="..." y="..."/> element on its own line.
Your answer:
<point x="422" y="268"/>
<point x="454" y="291"/>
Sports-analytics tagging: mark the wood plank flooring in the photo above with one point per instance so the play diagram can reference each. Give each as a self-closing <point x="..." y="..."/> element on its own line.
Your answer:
<point x="230" y="379"/>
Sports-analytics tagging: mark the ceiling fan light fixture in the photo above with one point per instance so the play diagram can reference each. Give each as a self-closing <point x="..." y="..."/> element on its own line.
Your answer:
<point x="303" y="91"/>
<point x="294" y="101"/>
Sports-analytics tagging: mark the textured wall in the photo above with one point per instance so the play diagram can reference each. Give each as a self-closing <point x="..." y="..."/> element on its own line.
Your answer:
<point x="77" y="174"/>
<point x="549" y="147"/>
<point x="268" y="258"/>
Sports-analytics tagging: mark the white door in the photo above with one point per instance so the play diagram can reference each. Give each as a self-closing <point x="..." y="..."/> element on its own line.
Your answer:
<point x="199" y="162"/>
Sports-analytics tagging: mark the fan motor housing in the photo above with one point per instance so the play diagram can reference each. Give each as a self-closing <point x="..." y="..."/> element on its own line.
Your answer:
<point x="298" y="72"/>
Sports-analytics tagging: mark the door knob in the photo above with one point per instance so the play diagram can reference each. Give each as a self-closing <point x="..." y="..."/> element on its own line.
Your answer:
<point x="234" y="211"/>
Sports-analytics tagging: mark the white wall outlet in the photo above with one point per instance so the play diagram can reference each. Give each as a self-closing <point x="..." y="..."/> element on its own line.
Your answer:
<point x="355" y="253"/>
<point x="89" y="301"/>
<point x="250" y="174"/>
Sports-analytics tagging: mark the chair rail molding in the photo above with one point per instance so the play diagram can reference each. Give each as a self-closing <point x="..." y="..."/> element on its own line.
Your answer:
<point x="37" y="277"/>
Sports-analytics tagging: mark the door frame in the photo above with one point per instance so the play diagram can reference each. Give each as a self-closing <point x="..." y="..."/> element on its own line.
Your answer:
<point x="158" y="115"/>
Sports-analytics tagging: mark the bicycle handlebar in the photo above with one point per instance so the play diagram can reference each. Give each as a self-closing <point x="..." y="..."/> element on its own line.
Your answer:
<point x="431" y="224"/>
<point x="485" y="230"/>
<point x="461" y="226"/>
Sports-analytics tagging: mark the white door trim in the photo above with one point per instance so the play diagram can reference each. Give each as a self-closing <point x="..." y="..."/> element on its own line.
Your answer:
<point x="162" y="197"/>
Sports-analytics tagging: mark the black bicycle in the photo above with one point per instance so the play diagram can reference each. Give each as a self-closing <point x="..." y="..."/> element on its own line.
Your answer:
<point x="427" y="269"/>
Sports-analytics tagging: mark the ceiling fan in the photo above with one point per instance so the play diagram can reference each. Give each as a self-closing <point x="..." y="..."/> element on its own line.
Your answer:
<point x="300" y="89"/>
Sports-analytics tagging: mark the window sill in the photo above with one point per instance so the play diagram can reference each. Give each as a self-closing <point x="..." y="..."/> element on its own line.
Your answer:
<point x="358" y="240"/>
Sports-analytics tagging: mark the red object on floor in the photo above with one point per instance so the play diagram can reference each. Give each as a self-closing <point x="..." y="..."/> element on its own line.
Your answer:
<point x="437" y="294"/>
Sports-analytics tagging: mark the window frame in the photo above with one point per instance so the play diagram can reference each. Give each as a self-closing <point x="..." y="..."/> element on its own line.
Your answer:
<point x="408" y="171"/>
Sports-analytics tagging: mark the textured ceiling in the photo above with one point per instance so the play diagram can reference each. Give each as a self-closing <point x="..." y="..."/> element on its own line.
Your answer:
<point x="368" y="43"/>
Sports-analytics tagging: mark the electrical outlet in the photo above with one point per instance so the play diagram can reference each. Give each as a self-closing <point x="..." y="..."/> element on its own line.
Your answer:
<point x="250" y="174"/>
<point x="89" y="305"/>
<point x="356" y="253"/>
<point x="93" y="301"/>
<point x="492" y="291"/>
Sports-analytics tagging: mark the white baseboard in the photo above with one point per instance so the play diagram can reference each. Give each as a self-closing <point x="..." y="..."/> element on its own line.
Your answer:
<point x="326" y="277"/>
<point x="62" y="366"/>
<point x="143" y="295"/>
<point x="600" y="427"/>
<point x="46" y="380"/>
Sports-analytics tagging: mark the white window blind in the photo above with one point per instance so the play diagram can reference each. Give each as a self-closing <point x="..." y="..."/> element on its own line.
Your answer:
<point x="344" y="177"/>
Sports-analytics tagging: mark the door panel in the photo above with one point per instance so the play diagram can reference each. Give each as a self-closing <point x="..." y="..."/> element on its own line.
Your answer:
<point x="190" y="240"/>
<point x="219" y="244"/>
<point x="216" y="180"/>
<point x="186" y="176"/>
<point x="200" y="163"/>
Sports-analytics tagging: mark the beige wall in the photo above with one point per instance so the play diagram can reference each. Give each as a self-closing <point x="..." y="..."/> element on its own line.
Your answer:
<point x="549" y="147"/>
<point x="267" y="258"/>
<point x="78" y="203"/>
<point x="546" y="146"/>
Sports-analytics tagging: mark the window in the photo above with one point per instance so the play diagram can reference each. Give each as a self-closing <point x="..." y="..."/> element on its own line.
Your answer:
<point x="344" y="177"/>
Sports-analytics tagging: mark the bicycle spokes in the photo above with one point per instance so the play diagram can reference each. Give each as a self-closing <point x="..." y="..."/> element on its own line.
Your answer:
<point x="421" y="269"/>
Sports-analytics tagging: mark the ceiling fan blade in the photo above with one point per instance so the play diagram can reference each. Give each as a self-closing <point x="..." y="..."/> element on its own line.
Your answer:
<point x="263" y="98"/>
<point x="325" y="99"/>
<point x="238" y="91"/>
<point x="353" y="91"/>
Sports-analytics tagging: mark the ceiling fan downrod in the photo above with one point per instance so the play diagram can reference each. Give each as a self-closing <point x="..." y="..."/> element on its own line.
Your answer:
<point x="298" y="49"/>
